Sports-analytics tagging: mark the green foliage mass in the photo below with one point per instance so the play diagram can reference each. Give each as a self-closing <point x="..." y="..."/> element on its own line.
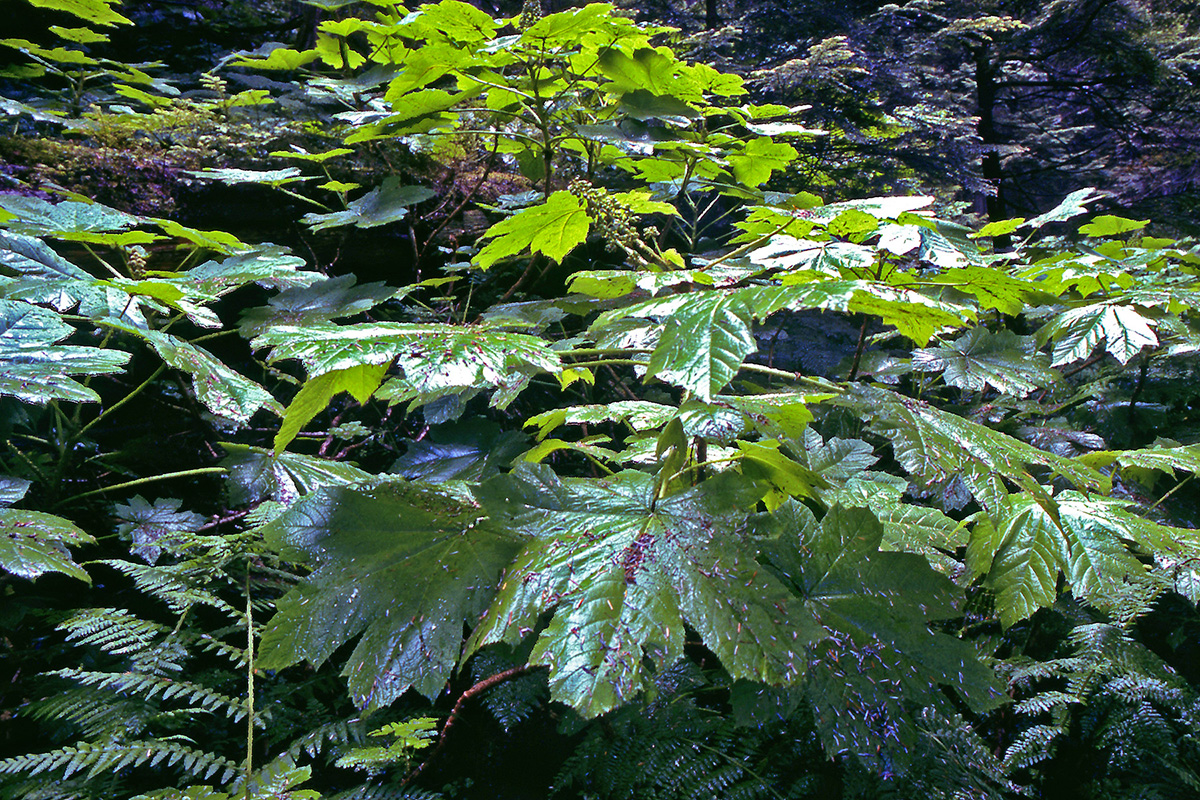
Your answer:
<point x="569" y="486"/>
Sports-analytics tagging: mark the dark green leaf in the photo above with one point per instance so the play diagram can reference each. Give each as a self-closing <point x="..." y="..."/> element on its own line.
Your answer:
<point x="257" y="474"/>
<point x="402" y="565"/>
<point x="980" y="358"/>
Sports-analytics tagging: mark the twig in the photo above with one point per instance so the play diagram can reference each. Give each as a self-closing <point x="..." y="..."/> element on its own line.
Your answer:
<point x="457" y="711"/>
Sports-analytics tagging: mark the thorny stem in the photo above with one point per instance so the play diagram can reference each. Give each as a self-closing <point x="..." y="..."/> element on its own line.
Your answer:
<point x="487" y="171"/>
<point x="456" y="712"/>
<point x="790" y="376"/>
<point x="187" y="473"/>
<point x="1178" y="486"/>
<point x="746" y="248"/>
<point x="521" y="280"/>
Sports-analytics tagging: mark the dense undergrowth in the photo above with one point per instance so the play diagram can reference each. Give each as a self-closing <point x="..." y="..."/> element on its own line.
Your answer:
<point x="652" y="475"/>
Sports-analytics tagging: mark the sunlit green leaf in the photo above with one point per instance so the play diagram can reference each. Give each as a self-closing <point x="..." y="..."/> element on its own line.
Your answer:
<point x="34" y="369"/>
<point x="1123" y="330"/>
<point x="221" y="390"/>
<point x="386" y="203"/>
<point x="33" y="543"/>
<point x="99" y="12"/>
<point x="359" y="381"/>
<point x="553" y="229"/>
<point x="623" y="572"/>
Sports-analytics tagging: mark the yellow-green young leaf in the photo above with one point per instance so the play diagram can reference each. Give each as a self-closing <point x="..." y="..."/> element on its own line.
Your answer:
<point x="1001" y="228"/>
<point x="142" y="97"/>
<point x="759" y="158"/>
<point x="304" y="155"/>
<point x="79" y="35"/>
<point x="359" y="381"/>
<point x="95" y="11"/>
<point x="764" y="460"/>
<point x="1158" y="458"/>
<point x="572" y="374"/>
<point x="281" y="58"/>
<point x="544" y="449"/>
<point x="852" y="224"/>
<point x="915" y="320"/>
<point x="1108" y="225"/>
<point x="60" y="55"/>
<point x="554" y="229"/>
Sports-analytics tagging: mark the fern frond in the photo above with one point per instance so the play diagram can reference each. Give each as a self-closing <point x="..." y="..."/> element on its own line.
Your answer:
<point x="234" y="654"/>
<point x="91" y="712"/>
<point x="337" y="733"/>
<point x="1034" y="745"/>
<point x="151" y="686"/>
<point x="113" y="630"/>
<point x="1045" y="701"/>
<point x="112" y="756"/>
<point x="381" y="791"/>
<point x="180" y="586"/>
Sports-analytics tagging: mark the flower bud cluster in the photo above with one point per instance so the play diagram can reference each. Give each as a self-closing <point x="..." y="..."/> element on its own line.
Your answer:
<point x="612" y="219"/>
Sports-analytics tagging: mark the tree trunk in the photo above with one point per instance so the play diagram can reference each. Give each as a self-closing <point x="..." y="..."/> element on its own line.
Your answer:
<point x="992" y="203"/>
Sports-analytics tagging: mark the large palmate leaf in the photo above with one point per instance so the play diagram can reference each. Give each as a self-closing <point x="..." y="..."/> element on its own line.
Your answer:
<point x="33" y="542"/>
<point x="34" y="216"/>
<point x="401" y="564"/>
<point x="224" y="392"/>
<point x="437" y="360"/>
<point x="1083" y="538"/>
<point x="706" y="337"/>
<point x="35" y="369"/>
<point x="554" y="229"/>
<point x="936" y="445"/>
<point x="146" y="523"/>
<point x="469" y="450"/>
<point x="1122" y="329"/>
<point x="360" y="382"/>
<point x="31" y="270"/>
<point x="99" y="12"/>
<point x="979" y="358"/>
<point x="623" y="571"/>
<point x="878" y="660"/>
<point x="704" y="343"/>
<point x="266" y="265"/>
<point x="1159" y="457"/>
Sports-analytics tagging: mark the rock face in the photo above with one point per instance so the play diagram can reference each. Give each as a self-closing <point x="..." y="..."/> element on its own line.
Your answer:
<point x="809" y="342"/>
